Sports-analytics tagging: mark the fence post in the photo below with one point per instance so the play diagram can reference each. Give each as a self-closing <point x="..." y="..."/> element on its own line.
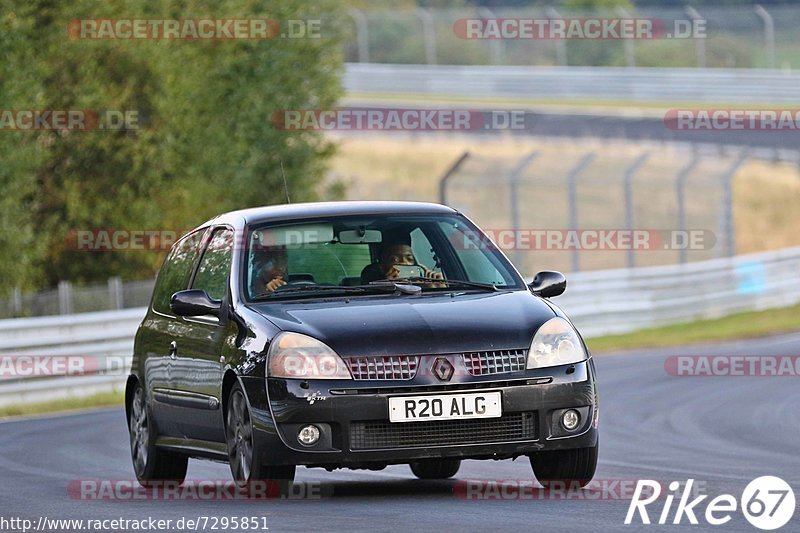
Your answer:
<point x="628" y="186"/>
<point x="572" y="200"/>
<point x="513" y="182"/>
<point x="728" y="230"/>
<point x="64" y="298"/>
<point x="495" y="45"/>
<point x="16" y="302"/>
<point x="561" y="44"/>
<point x="769" y="33"/>
<point x="429" y="33"/>
<point x="115" y="292"/>
<point x="446" y="176"/>
<point x="630" y="52"/>
<point x="699" y="44"/>
<point x="680" y="182"/>
<point x="362" y="34"/>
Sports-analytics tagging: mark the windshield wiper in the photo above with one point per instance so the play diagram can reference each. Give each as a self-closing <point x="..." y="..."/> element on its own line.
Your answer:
<point x="310" y="288"/>
<point x="448" y="282"/>
<point x="347" y="289"/>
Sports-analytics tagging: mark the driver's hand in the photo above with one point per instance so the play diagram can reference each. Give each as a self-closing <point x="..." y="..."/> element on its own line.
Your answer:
<point x="435" y="275"/>
<point x="273" y="285"/>
<point x="393" y="273"/>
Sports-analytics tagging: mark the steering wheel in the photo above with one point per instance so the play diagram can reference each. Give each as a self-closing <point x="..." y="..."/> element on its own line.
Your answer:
<point x="296" y="283"/>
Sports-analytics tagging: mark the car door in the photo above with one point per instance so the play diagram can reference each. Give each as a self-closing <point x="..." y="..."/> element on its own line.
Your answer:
<point x="198" y="367"/>
<point x="162" y="328"/>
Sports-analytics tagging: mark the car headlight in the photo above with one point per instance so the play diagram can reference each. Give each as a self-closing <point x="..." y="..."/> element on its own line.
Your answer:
<point x="555" y="343"/>
<point x="297" y="356"/>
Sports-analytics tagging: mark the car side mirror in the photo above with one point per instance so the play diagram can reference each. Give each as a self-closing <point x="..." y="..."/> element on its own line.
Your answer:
<point x="548" y="283"/>
<point x="194" y="302"/>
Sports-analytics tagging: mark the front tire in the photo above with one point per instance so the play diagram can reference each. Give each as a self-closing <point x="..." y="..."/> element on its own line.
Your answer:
<point x="572" y="466"/>
<point x="435" y="468"/>
<point x="151" y="464"/>
<point x="244" y="456"/>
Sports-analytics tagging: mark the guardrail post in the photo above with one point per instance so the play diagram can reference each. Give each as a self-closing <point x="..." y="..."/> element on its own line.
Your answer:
<point x="630" y="52"/>
<point x="115" y="292"/>
<point x="680" y="182"/>
<point x="429" y="33"/>
<point x="16" y="302"/>
<point x="727" y="230"/>
<point x="572" y="200"/>
<point x="446" y="176"/>
<point x="699" y="44"/>
<point x="769" y="33"/>
<point x="513" y="182"/>
<point x="64" y="298"/>
<point x="496" y="46"/>
<point x="628" y="186"/>
<point x="561" y="44"/>
<point x="362" y="34"/>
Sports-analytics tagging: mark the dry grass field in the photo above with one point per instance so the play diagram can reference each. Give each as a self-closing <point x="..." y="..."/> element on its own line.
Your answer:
<point x="407" y="167"/>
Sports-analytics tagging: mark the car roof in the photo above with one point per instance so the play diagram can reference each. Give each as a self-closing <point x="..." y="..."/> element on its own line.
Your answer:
<point x="325" y="209"/>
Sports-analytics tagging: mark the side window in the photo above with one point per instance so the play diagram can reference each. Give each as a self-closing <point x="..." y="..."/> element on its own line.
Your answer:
<point x="175" y="272"/>
<point x="215" y="265"/>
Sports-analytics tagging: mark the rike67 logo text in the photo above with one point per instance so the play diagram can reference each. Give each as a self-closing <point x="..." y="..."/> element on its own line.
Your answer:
<point x="768" y="503"/>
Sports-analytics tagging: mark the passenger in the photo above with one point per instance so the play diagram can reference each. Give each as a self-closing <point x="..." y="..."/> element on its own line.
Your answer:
<point x="271" y="269"/>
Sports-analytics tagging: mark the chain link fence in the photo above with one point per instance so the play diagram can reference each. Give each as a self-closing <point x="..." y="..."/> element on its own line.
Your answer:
<point x="69" y="299"/>
<point x="735" y="37"/>
<point x="574" y="208"/>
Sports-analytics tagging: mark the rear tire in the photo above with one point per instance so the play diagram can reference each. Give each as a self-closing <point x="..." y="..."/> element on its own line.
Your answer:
<point x="151" y="464"/>
<point x="435" y="468"/>
<point x="572" y="466"/>
<point x="245" y="460"/>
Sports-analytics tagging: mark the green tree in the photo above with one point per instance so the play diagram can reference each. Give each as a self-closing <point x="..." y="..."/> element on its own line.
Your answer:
<point x="204" y="142"/>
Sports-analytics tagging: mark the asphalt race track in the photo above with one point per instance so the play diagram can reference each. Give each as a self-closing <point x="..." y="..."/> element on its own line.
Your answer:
<point x="720" y="431"/>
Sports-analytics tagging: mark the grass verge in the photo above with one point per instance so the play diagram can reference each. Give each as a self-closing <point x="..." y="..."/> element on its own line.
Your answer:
<point x="739" y="326"/>
<point x="103" y="399"/>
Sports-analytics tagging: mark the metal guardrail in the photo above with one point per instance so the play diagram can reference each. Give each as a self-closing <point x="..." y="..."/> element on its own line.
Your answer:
<point x="622" y="300"/>
<point x="101" y="342"/>
<point x="599" y="302"/>
<point x="746" y="86"/>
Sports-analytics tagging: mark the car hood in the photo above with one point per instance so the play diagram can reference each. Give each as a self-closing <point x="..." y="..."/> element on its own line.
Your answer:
<point x="419" y="324"/>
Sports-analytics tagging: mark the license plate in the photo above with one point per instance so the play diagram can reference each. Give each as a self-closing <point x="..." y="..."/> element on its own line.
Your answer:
<point x="445" y="407"/>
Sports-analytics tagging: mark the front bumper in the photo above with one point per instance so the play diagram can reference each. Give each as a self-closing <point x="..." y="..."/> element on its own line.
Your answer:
<point x="353" y="417"/>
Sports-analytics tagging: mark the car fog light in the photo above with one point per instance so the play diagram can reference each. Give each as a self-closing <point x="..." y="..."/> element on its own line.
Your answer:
<point x="308" y="435"/>
<point x="570" y="419"/>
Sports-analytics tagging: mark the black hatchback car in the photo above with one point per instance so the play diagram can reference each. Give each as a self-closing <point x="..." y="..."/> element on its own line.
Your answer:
<point x="356" y="335"/>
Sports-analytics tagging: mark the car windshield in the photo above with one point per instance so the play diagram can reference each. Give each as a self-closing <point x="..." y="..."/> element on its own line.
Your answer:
<point x="344" y="254"/>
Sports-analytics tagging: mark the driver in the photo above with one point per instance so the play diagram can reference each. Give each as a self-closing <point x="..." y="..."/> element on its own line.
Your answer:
<point x="271" y="268"/>
<point x="395" y="251"/>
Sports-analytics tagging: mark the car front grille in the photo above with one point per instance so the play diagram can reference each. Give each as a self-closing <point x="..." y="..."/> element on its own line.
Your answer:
<point x="383" y="367"/>
<point x="379" y="434"/>
<point x="496" y="362"/>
